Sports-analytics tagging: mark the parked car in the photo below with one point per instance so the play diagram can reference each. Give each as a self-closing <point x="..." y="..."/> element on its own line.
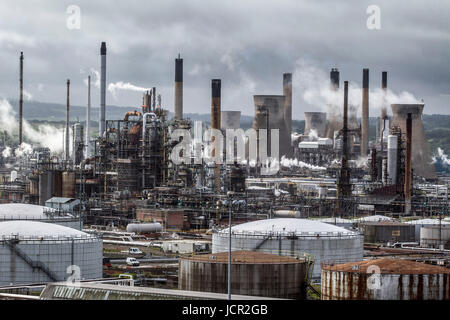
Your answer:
<point x="132" y="262"/>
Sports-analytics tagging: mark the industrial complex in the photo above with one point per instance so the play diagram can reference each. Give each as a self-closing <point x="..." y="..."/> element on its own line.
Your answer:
<point x="155" y="205"/>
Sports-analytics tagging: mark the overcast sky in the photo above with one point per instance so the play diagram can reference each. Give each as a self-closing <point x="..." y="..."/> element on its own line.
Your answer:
<point x="247" y="44"/>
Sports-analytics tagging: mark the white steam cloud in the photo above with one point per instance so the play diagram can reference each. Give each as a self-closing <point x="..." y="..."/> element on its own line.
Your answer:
<point x="44" y="135"/>
<point x="113" y="87"/>
<point x="315" y="85"/>
<point x="441" y="157"/>
<point x="96" y="81"/>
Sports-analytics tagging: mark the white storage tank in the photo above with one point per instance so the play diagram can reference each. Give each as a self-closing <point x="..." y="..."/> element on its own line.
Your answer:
<point x="144" y="227"/>
<point x="31" y="212"/>
<point x="294" y="237"/>
<point x="435" y="236"/>
<point x="418" y="224"/>
<point x="37" y="252"/>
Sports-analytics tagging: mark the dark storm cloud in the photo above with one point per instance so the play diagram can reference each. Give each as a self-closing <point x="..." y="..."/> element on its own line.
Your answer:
<point x="248" y="44"/>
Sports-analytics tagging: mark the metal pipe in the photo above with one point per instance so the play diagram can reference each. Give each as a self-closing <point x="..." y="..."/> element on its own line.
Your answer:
<point x="21" y="99"/>
<point x="365" y="114"/>
<point x="102" y="120"/>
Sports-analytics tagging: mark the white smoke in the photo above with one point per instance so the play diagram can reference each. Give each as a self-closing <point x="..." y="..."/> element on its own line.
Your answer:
<point x="23" y="149"/>
<point x="27" y="95"/>
<point x="96" y="80"/>
<point x="441" y="157"/>
<point x="44" y="135"/>
<point x="313" y="135"/>
<point x="315" y="85"/>
<point x="289" y="163"/>
<point x="6" y="153"/>
<point x="113" y="87"/>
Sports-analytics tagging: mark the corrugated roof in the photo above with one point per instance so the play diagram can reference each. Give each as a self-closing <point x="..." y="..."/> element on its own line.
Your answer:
<point x="23" y="211"/>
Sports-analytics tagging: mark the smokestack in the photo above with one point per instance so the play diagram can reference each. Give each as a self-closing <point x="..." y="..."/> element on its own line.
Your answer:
<point x="67" y="120"/>
<point x="408" y="168"/>
<point x="334" y="79"/>
<point x="154" y="99"/>
<point x="88" y="120"/>
<point x="21" y="99"/>
<point x="365" y="114"/>
<point x="102" y="119"/>
<point x="178" y="88"/>
<point x="216" y="85"/>
<point x="287" y="92"/>
<point x="384" y="116"/>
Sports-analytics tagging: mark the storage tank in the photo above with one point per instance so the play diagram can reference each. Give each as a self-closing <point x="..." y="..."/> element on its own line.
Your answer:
<point x="252" y="273"/>
<point x="144" y="227"/>
<point x="37" y="252"/>
<point x="435" y="236"/>
<point x="31" y="212"/>
<point x="418" y="224"/>
<point x="68" y="184"/>
<point x="385" y="279"/>
<point x="293" y="237"/>
<point x="387" y="231"/>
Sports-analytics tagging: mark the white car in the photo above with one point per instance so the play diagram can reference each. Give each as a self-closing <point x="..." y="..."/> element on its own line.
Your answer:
<point x="134" y="251"/>
<point x="132" y="261"/>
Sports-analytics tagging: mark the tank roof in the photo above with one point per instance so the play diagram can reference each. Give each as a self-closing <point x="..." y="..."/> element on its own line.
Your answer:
<point x="289" y="226"/>
<point x="388" y="266"/>
<point x="19" y="211"/>
<point x="427" y="221"/>
<point x="374" y="218"/>
<point x="37" y="230"/>
<point x="245" y="257"/>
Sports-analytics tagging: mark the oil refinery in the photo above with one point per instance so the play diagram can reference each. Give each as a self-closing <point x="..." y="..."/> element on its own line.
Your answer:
<point x="243" y="204"/>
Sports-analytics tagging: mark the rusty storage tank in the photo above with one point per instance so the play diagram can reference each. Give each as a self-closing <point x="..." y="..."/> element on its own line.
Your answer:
<point x="252" y="273"/>
<point x="385" y="279"/>
<point x="387" y="231"/>
<point x="68" y="184"/>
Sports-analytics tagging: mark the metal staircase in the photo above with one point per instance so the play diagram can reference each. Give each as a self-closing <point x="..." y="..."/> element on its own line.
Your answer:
<point x="34" y="264"/>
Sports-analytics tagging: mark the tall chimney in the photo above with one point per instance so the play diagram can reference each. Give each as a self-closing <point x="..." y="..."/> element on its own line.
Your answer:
<point x="154" y="99"/>
<point x="102" y="119"/>
<point x="88" y="120"/>
<point x="384" y="116"/>
<point x="216" y="85"/>
<point x="67" y="120"/>
<point x="408" y="171"/>
<point x="365" y="114"/>
<point x="21" y="99"/>
<point x="334" y="79"/>
<point x="287" y="92"/>
<point x="178" y="88"/>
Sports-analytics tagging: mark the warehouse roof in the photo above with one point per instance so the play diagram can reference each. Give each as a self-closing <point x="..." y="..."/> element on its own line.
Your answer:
<point x="289" y="226"/>
<point x="34" y="229"/>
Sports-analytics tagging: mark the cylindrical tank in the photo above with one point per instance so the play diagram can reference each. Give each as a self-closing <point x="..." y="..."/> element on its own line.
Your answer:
<point x="252" y="273"/>
<point x="386" y="231"/>
<point x="286" y="214"/>
<point x="435" y="236"/>
<point x="392" y="157"/>
<point x="68" y="184"/>
<point x="385" y="279"/>
<point x="37" y="252"/>
<point x="293" y="237"/>
<point x="144" y="227"/>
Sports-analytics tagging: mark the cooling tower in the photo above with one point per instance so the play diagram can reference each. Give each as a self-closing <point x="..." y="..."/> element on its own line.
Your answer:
<point x="230" y="120"/>
<point x="420" y="153"/>
<point x="269" y="108"/>
<point x="316" y="121"/>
